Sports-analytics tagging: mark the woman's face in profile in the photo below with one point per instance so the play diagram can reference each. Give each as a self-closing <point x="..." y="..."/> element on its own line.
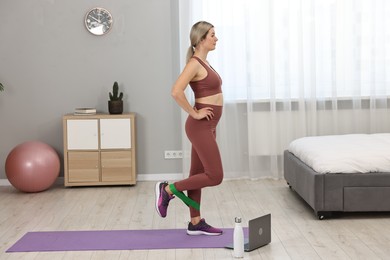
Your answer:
<point x="211" y="39"/>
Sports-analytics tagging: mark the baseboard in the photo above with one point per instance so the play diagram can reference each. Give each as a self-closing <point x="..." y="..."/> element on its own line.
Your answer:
<point x="4" y="182"/>
<point x="157" y="177"/>
<point x="140" y="177"/>
<point x="160" y="177"/>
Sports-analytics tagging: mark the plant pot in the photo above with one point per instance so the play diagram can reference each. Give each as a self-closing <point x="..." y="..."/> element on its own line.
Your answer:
<point x="115" y="107"/>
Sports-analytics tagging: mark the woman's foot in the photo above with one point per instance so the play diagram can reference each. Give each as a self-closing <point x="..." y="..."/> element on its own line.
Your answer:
<point x="202" y="228"/>
<point x="162" y="198"/>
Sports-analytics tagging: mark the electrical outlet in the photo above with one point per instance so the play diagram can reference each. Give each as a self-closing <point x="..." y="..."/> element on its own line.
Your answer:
<point x="176" y="154"/>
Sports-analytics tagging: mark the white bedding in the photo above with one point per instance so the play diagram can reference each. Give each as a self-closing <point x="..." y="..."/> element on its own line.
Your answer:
<point x="353" y="153"/>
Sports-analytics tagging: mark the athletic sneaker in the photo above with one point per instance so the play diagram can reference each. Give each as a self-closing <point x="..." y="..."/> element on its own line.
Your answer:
<point x="202" y="228"/>
<point x="162" y="198"/>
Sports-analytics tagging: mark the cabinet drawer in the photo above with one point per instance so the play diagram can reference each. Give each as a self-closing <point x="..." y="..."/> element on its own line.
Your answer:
<point x="116" y="166"/>
<point x="83" y="166"/>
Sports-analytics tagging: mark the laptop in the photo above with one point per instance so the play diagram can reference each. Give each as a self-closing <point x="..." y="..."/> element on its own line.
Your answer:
<point x="259" y="233"/>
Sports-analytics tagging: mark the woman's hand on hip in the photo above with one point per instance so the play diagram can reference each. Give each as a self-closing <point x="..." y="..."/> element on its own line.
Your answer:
<point x="206" y="112"/>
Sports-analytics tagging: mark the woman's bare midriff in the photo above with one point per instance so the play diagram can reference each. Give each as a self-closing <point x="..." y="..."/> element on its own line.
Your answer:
<point x="216" y="99"/>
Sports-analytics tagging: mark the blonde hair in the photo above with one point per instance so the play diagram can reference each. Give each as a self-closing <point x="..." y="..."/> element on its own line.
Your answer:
<point x="198" y="33"/>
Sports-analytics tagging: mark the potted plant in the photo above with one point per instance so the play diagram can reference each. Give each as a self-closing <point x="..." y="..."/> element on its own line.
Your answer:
<point x="1" y="87"/>
<point x="115" y="104"/>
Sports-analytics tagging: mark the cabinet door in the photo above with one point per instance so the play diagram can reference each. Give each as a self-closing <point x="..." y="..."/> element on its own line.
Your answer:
<point x="82" y="134"/>
<point x="83" y="166"/>
<point x="115" y="133"/>
<point x="116" y="166"/>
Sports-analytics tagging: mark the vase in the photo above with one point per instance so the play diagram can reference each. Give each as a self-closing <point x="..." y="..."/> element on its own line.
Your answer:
<point x="115" y="106"/>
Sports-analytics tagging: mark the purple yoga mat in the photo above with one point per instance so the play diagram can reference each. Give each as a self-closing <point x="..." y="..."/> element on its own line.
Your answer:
<point x="118" y="240"/>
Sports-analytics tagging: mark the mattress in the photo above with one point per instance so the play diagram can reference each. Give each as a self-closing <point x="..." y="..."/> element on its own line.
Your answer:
<point x="351" y="153"/>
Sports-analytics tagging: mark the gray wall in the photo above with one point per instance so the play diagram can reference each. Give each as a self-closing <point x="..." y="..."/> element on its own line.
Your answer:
<point x="50" y="64"/>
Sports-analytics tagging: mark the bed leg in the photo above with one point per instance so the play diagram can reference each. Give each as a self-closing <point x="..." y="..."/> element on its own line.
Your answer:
<point x="324" y="214"/>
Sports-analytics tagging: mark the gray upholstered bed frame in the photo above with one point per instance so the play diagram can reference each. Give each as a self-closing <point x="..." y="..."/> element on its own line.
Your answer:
<point x="337" y="192"/>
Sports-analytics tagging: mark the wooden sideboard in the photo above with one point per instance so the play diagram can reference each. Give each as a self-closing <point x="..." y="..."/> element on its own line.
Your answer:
<point x="99" y="149"/>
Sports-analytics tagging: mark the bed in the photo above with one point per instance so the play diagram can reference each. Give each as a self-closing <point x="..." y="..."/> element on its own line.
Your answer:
<point x="340" y="173"/>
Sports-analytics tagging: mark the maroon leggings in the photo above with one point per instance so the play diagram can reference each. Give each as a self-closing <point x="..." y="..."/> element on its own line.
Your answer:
<point x="206" y="165"/>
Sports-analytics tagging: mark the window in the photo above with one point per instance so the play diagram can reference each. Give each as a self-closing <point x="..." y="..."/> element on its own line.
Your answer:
<point x="289" y="49"/>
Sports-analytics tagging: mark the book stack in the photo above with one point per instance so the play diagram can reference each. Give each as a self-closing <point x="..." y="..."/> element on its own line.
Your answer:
<point x="85" y="111"/>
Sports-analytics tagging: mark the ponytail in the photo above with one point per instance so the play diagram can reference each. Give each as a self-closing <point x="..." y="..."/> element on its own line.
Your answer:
<point x="190" y="53"/>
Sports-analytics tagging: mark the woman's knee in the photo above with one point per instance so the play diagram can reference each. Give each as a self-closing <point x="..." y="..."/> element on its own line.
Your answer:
<point x="216" y="179"/>
<point x="219" y="180"/>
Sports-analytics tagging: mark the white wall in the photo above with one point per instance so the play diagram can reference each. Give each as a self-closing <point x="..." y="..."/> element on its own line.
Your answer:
<point x="50" y="64"/>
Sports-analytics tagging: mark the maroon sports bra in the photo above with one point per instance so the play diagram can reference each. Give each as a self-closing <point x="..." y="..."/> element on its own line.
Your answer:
<point x="208" y="86"/>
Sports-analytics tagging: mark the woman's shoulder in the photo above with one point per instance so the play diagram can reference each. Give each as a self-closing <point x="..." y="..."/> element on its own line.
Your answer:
<point x="193" y="63"/>
<point x="198" y="60"/>
<point x="191" y="69"/>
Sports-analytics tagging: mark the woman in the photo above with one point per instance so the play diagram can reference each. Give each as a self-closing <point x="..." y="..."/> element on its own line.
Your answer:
<point x="206" y="165"/>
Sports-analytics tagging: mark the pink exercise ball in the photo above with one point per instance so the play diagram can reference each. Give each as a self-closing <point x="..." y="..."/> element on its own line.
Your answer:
<point x="32" y="166"/>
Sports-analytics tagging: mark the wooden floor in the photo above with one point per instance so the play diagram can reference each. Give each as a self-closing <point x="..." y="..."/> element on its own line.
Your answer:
<point x="296" y="232"/>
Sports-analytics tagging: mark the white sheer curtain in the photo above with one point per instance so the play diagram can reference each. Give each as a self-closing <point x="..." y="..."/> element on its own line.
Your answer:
<point x="293" y="68"/>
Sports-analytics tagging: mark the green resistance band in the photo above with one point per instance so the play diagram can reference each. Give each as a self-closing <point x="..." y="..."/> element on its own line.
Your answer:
<point x="189" y="202"/>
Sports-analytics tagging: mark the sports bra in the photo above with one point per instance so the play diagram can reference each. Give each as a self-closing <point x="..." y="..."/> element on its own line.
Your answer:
<point x="208" y="86"/>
